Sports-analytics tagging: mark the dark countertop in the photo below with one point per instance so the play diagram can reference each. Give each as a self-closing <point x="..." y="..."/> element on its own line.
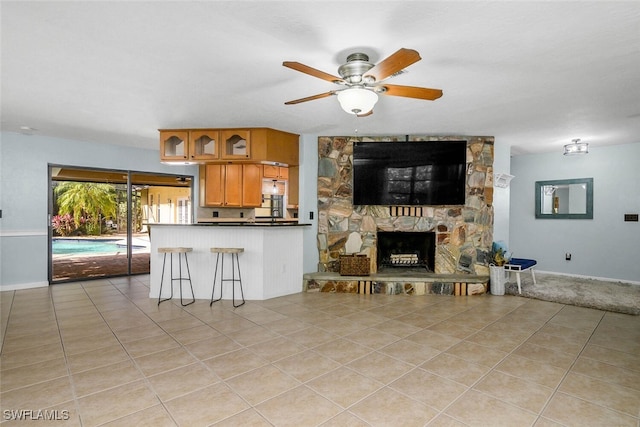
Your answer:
<point x="239" y="223"/>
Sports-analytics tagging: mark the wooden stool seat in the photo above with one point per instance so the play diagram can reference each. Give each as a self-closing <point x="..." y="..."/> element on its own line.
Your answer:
<point x="182" y="252"/>
<point x="234" y="257"/>
<point x="227" y="250"/>
<point x="174" y="250"/>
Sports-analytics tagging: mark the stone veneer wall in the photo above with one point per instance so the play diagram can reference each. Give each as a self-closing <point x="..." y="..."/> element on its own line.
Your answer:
<point x="464" y="234"/>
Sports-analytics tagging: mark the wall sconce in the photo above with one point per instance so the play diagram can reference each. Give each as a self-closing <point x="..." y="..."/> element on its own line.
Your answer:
<point x="576" y="147"/>
<point x="502" y="180"/>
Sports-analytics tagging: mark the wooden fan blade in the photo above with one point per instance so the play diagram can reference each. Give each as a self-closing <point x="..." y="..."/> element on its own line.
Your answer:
<point x="312" y="72"/>
<point x="310" y="98"/>
<point x="365" y="114"/>
<point x="394" y="63"/>
<point x="413" y="92"/>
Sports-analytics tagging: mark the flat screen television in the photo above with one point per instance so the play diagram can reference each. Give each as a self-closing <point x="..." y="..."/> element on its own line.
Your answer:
<point x="409" y="173"/>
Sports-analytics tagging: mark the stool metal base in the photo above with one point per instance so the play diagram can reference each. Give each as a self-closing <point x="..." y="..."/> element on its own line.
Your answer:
<point x="174" y="279"/>
<point x="234" y="256"/>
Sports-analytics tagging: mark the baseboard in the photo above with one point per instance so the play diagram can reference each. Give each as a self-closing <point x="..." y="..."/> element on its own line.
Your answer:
<point x="21" y="286"/>
<point x="604" y="279"/>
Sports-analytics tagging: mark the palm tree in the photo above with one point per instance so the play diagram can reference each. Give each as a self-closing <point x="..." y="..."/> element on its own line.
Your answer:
<point x="88" y="200"/>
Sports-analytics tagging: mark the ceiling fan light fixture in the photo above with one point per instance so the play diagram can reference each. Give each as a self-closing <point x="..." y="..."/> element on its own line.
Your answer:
<point x="576" y="147"/>
<point x="357" y="100"/>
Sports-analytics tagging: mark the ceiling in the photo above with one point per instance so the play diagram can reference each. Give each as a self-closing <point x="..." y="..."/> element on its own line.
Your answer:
<point x="533" y="74"/>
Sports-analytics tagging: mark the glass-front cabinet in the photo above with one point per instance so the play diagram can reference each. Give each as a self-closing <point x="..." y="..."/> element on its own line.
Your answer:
<point x="173" y="146"/>
<point x="236" y="144"/>
<point x="203" y="144"/>
<point x="189" y="145"/>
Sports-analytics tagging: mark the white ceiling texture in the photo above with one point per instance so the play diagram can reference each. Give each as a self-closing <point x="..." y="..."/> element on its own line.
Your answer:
<point x="533" y="74"/>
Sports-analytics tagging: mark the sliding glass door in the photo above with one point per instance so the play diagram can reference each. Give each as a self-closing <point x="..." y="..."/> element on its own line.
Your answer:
<point x="99" y="219"/>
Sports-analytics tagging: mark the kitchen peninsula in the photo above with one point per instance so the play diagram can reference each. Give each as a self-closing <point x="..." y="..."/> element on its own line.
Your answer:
<point x="271" y="265"/>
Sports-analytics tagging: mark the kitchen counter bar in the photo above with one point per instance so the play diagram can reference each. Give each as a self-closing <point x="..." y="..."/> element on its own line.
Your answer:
<point x="271" y="264"/>
<point x="256" y="223"/>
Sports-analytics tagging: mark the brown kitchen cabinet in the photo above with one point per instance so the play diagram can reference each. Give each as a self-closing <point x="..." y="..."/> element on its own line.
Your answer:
<point x="221" y="185"/>
<point x="294" y="187"/>
<point x="174" y="146"/>
<point x="187" y="146"/>
<point x="251" y="185"/>
<point x="271" y="145"/>
<point x="204" y="145"/>
<point x="275" y="172"/>
<point x="236" y="144"/>
<point x="220" y="145"/>
<point x="231" y="185"/>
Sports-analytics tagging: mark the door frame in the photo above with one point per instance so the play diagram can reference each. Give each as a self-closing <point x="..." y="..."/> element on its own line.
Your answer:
<point x="127" y="178"/>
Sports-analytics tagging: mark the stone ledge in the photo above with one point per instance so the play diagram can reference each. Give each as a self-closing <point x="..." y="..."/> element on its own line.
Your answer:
<point x="401" y="283"/>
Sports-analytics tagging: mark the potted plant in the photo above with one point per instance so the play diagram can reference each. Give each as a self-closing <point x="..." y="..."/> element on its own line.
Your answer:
<point x="499" y="257"/>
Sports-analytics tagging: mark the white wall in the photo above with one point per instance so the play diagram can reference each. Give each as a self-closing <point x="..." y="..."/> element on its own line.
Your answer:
<point x="309" y="200"/>
<point x="604" y="247"/>
<point x="501" y="196"/>
<point x="24" y="194"/>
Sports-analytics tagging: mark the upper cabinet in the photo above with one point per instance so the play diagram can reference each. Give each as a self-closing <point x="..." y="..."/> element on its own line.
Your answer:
<point x="257" y="145"/>
<point x="270" y="145"/>
<point x="294" y="187"/>
<point x="221" y="185"/>
<point x="204" y="144"/>
<point x="189" y="145"/>
<point x="236" y="144"/>
<point x="174" y="146"/>
<point x="276" y="172"/>
<point x="251" y="185"/>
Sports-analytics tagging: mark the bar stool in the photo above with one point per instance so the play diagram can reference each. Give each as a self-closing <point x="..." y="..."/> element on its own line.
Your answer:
<point x="234" y="255"/>
<point x="180" y="252"/>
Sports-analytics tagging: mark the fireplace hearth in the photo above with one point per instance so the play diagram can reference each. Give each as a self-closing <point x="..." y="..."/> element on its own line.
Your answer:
<point x="406" y="250"/>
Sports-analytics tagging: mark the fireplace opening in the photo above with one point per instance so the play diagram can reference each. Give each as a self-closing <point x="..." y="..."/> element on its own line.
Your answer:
<point x="406" y="250"/>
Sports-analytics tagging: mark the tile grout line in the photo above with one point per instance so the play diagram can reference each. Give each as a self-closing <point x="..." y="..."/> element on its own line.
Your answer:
<point x="131" y="359"/>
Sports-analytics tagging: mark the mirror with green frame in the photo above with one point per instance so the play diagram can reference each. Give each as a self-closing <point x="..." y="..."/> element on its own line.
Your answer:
<point x="564" y="199"/>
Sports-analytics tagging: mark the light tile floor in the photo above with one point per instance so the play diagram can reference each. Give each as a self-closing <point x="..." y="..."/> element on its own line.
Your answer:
<point x="103" y="353"/>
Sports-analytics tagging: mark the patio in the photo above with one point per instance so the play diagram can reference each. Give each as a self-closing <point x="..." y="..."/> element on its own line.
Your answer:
<point x="91" y="267"/>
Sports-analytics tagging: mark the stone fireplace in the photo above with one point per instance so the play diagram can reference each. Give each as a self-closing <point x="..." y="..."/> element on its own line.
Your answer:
<point x="405" y="250"/>
<point x="462" y="234"/>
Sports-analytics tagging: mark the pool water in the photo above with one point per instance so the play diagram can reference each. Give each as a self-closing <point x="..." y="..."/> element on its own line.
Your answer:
<point x="89" y="246"/>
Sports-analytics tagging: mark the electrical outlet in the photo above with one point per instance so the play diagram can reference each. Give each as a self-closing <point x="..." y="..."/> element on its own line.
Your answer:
<point x="567" y="256"/>
<point x="311" y="215"/>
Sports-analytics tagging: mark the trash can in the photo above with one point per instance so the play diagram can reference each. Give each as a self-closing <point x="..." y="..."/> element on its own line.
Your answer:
<point x="497" y="277"/>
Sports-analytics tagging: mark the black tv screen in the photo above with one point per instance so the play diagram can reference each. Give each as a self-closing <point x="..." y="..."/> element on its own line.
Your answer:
<point x="409" y="173"/>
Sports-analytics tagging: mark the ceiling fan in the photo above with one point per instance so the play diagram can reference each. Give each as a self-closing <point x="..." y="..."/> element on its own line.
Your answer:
<point x="364" y="81"/>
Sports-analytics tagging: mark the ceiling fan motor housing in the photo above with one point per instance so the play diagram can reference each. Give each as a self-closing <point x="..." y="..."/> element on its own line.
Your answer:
<point x="357" y="64"/>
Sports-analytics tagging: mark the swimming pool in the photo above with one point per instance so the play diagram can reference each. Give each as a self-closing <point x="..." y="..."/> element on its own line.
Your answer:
<point x="90" y="246"/>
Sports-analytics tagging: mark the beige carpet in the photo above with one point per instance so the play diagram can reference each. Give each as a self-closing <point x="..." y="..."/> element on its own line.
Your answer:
<point x="618" y="297"/>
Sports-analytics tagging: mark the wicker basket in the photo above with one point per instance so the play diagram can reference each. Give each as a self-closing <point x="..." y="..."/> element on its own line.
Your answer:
<point x="354" y="265"/>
